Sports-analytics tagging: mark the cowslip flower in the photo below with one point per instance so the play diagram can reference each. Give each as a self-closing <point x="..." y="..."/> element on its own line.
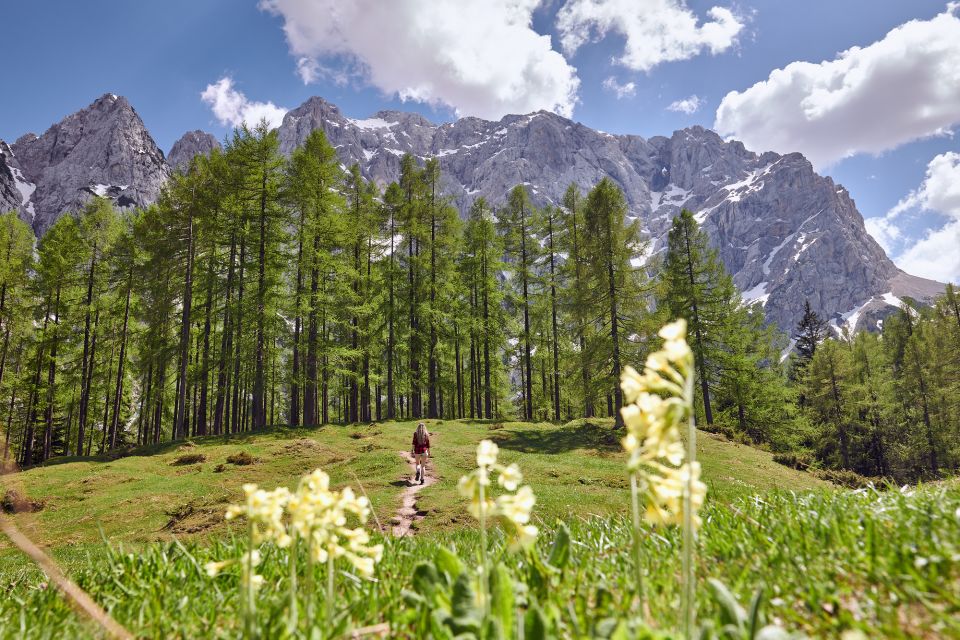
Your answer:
<point x="265" y="512"/>
<point x="660" y="401"/>
<point x="320" y="516"/>
<point x="512" y="509"/>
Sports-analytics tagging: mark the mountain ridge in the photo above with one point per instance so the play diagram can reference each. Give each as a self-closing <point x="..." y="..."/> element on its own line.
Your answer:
<point x="785" y="233"/>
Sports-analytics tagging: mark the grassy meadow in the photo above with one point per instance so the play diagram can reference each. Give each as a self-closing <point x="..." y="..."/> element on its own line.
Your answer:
<point x="136" y="532"/>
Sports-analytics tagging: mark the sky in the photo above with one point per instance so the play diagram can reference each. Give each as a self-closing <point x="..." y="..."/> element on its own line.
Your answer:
<point x="868" y="90"/>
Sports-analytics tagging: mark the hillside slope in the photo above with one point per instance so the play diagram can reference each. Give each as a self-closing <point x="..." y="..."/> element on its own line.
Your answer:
<point x="574" y="470"/>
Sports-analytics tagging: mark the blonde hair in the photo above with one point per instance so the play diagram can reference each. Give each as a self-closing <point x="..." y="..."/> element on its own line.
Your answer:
<point x="421" y="433"/>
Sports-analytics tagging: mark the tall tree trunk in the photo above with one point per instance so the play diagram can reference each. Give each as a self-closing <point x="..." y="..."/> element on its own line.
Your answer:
<point x="226" y="343"/>
<point x="180" y="406"/>
<point x="259" y="375"/>
<point x="553" y="313"/>
<point x="85" y="361"/>
<point x="701" y="361"/>
<point x="614" y="328"/>
<point x="391" y="391"/>
<point x="236" y="406"/>
<point x="13" y="401"/>
<point x="121" y="365"/>
<point x="310" y="384"/>
<point x="52" y="378"/>
<point x="294" y="413"/>
<point x="201" y="420"/>
<point x="526" y="315"/>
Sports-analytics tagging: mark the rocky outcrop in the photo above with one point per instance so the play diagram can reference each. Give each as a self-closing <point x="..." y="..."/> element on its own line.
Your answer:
<point x="786" y="233"/>
<point x="15" y="190"/>
<point x="189" y="146"/>
<point x="103" y="150"/>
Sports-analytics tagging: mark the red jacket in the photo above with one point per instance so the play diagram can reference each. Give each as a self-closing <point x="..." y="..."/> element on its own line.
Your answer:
<point x="420" y="447"/>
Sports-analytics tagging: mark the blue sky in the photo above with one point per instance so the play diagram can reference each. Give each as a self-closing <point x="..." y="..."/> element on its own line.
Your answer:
<point x="163" y="55"/>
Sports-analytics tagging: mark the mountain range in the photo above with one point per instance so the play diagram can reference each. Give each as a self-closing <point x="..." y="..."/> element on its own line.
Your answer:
<point x="785" y="233"/>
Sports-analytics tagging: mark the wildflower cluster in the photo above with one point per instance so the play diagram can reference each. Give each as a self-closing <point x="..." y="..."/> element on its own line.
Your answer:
<point x="512" y="509"/>
<point x="313" y="513"/>
<point x="319" y="516"/>
<point x="660" y="401"/>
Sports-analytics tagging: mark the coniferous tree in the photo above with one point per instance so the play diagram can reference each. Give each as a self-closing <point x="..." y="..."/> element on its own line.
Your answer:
<point x="695" y="286"/>
<point x="610" y="243"/>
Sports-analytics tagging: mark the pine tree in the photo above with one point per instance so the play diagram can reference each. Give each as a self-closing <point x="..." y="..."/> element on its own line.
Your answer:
<point x="695" y="286"/>
<point x="610" y="243"/>
<point x="521" y="249"/>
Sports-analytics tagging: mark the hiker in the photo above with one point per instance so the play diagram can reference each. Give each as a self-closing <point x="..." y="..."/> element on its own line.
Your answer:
<point x="421" y="450"/>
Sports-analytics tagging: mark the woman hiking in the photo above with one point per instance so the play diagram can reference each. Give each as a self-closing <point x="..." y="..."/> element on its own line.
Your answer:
<point x="421" y="450"/>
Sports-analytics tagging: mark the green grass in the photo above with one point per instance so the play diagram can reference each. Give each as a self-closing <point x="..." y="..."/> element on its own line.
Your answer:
<point x="576" y="469"/>
<point x="826" y="560"/>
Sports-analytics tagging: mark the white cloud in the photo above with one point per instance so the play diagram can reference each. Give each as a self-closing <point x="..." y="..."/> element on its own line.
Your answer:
<point x="687" y="105"/>
<point x="655" y="31"/>
<point x="480" y="58"/>
<point x="233" y="108"/>
<point x="620" y="90"/>
<point x="937" y="254"/>
<point x="903" y="87"/>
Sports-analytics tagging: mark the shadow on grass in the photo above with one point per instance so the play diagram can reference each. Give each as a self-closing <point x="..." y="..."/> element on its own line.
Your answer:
<point x="277" y="433"/>
<point x="586" y="435"/>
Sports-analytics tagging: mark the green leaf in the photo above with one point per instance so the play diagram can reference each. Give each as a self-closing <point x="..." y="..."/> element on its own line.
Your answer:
<point x="502" y="601"/>
<point x="560" y="550"/>
<point x="730" y="610"/>
<point x="755" y="606"/>
<point x="534" y="624"/>
<point x="425" y="578"/>
<point x="448" y="562"/>
<point x="464" y="601"/>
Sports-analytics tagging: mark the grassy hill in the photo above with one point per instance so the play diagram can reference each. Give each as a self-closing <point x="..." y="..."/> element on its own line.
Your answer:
<point x="825" y="560"/>
<point x="158" y="492"/>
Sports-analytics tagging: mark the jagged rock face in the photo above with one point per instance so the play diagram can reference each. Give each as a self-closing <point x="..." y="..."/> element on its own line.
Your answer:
<point x="103" y="150"/>
<point x="15" y="189"/>
<point x="192" y="144"/>
<point x="786" y="233"/>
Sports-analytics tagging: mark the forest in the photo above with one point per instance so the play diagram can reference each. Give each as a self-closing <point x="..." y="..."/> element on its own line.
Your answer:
<point x="261" y="290"/>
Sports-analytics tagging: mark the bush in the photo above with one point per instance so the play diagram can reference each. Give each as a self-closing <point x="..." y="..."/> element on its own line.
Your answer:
<point x="190" y="458"/>
<point x="844" y="478"/>
<point x="241" y="459"/>
<point x="792" y="460"/>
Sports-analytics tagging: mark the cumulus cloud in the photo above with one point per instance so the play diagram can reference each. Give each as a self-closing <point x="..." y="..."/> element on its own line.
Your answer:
<point x="620" y="90"/>
<point x="937" y="254"/>
<point x="233" y="108"/>
<point x="903" y="87"/>
<point x="479" y="58"/>
<point x="687" y="105"/>
<point x="655" y="31"/>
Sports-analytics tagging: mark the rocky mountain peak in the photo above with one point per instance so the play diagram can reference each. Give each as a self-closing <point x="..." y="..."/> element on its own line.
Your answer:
<point x="103" y="150"/>
<point x="785" y="233"/>
<point x="190" y="145"/>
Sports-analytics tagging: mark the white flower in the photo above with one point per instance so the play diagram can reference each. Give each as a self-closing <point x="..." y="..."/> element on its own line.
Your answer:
<point x="510" y="478"/>
<point x="676" y="330"/>
<point x="213" y="569"/>
<point x="486" y="453"/>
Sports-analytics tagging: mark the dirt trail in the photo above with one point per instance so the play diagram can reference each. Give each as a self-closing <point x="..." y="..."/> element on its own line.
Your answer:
<point x="408" y="513"/>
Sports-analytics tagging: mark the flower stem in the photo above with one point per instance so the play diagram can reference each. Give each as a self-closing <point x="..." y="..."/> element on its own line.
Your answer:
<point x="483" y="548"/>
<point x="292" y="621"/>
<point x="308" y="584"/>
<point x="638" y="551"/>
<point x="689" y="578"/>
<point x="330" y="576"/>
<point x="248" y="611"/>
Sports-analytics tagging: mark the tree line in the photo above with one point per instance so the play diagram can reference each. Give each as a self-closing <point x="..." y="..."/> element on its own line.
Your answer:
<point x="261" y="290"/>
<point x="884" y="403"/>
